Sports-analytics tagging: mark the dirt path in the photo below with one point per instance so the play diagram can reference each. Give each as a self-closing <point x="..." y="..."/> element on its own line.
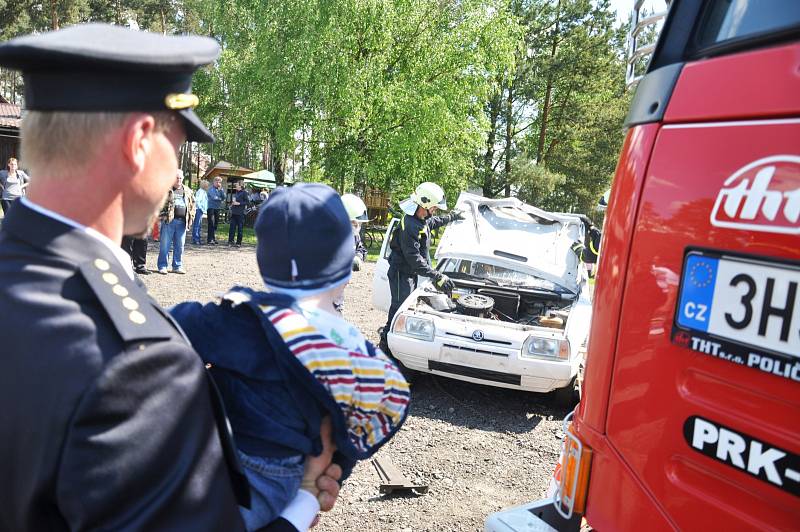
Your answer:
<point x="479" y="448"/>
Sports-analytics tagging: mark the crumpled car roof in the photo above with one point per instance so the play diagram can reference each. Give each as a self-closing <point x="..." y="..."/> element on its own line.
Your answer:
<point x="509" y="233"/>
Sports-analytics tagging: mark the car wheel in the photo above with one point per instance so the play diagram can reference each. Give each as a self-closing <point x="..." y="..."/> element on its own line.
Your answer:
<point x="568" y="396"/>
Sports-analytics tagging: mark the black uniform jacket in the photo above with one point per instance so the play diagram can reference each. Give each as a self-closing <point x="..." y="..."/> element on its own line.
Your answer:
<point x="410" y="244"/>
<point x="108" y="418"/>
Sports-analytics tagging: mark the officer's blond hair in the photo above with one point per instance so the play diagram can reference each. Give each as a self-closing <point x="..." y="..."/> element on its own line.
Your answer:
<point x="64" y="142"/>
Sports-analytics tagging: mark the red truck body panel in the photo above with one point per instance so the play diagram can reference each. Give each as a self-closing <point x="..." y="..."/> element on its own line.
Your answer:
<point x="649" y="399"/>
<point x="750" y="85"/>
<point x="608" y="294"/>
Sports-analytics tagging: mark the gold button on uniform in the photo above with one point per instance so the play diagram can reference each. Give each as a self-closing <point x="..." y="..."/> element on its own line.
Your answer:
<point x="137" y="317"/>
<point x="119" y="290"/>
<point x="130" y="303"/>
<point x="101" y="264"/>
<point x="110" y="278"/>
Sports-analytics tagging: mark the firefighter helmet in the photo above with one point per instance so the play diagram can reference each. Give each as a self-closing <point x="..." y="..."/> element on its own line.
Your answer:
<point x="429" y="195"/>
<point x="355" y="208"/>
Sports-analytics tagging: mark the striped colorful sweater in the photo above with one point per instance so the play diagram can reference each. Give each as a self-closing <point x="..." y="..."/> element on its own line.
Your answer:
<point x="278" y="376"/>
<point x="369" y="389"/>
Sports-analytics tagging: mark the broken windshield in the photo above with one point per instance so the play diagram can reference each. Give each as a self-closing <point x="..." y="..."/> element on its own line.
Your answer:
<point x="499" y="275"/>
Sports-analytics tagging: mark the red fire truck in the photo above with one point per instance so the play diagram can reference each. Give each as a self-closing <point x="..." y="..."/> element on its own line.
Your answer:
<point x="690" y="413"/>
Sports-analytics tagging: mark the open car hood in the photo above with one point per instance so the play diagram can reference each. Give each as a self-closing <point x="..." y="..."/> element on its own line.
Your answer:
<point x="509" y="233"/>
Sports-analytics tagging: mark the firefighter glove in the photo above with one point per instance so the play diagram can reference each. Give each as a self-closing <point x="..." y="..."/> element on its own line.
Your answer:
<point x="444" y="284"/>
<point x="456" y="215"/>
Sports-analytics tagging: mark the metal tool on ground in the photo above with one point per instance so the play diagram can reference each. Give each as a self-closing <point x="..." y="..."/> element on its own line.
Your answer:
<point x="392" y="480"/>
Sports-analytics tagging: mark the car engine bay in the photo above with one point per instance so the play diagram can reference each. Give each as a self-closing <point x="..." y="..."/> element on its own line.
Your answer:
<point x="500" y="305"/>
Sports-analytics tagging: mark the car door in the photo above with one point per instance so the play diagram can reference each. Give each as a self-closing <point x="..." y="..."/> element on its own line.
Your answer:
<point x="381" y="296"/>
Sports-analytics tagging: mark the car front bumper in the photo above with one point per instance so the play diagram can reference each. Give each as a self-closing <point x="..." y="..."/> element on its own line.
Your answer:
<point x="538" y="516"/>
<point x="482" y="363"/>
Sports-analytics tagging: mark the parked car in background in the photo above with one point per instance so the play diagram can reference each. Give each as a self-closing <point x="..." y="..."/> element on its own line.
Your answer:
<point x="521" y="309"/>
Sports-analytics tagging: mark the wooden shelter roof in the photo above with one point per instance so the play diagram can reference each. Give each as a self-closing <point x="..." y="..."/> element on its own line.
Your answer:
<point x="226" y="169"/>
<point x="10" y="115"/>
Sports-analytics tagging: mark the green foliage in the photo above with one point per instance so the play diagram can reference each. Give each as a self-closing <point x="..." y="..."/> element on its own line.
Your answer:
<point x="568" y="101"/>
<point x="520" y="97"/>
<point x="387" y="93"/>
<point x="534" y="183"/>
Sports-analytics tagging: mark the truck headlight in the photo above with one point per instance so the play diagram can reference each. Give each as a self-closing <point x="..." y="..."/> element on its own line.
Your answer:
<point x="413" y="326"/>
<point x="539" y="346"/>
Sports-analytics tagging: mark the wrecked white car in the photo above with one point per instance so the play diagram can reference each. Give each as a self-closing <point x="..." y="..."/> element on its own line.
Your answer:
<point x="520" y="313"/>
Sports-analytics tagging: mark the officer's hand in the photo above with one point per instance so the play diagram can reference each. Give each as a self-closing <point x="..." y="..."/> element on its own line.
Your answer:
<point x="456" y="215"/>
<point x="444" y="284"/>
<point x="321" y="476"/>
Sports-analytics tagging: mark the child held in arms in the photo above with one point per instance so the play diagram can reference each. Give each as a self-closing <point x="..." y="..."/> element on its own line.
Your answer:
<point x="284" y="359"/>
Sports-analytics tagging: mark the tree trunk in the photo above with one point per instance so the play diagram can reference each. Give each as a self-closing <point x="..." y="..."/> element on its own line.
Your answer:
<point x="54" y="14"/>
<point x="277" y="162"/>
<point x="488" y="157"/>
<point x="548" y="91"/>
<point x="509" y="137"/>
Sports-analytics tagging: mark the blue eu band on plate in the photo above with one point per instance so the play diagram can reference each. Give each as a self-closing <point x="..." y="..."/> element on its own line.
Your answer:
<point x="740" y="308"/>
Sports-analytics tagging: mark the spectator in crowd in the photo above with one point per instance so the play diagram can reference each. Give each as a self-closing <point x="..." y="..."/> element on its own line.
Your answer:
<point x="264" y="195"/>
<point x="286" y="357"/>
<point x="136" y="248"/>
<point x="13" y="183"/>
<point x="238" y="205"/>
<point x="253" y="197"/>
<point x="176" y="215"/>
<point x="201" y="206"/>
<point x="357" y="211"/>
<point x="216" y="202"/>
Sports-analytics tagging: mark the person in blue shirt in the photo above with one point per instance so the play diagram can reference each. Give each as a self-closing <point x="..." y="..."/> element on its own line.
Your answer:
<point x="201" y="207"/>
<point x="216" y="202"/>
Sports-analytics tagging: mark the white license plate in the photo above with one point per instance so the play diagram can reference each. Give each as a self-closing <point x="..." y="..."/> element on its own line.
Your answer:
<point x="746" y="301"/>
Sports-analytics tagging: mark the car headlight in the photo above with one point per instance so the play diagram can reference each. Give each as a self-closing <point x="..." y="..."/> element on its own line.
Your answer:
<point x="421" y="328"/>
<point x="539" y="346"/>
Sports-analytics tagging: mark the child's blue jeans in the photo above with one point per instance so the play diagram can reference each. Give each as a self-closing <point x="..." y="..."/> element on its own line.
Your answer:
<point x="273" y="484"/>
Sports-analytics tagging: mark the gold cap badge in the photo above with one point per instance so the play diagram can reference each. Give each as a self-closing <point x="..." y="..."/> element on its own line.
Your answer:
<point x="181" y="100"/>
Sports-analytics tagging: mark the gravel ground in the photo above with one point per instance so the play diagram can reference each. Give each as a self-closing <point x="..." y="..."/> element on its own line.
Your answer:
<point x="478" y="448"/>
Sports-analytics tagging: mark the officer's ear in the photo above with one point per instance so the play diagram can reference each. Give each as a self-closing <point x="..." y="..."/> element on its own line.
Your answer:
<point x="137" y="140"/>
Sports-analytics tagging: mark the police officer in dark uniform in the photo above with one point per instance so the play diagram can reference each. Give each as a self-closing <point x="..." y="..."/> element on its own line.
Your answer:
<point x="410" y="244"/>
<point x="110" y="420"/>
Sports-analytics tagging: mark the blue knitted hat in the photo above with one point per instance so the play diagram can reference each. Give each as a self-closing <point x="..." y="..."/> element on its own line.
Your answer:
<point x="304" y="238"/>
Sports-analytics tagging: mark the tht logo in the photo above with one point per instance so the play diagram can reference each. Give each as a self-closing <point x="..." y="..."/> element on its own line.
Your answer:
<point x="761" y="196"/>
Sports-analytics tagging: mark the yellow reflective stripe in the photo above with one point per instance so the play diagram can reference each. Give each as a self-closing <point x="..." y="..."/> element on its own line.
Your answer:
<point x="591" y="247"/>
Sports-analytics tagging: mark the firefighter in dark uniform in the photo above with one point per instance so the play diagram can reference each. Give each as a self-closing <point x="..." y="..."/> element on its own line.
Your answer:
<point x="110" y="420"/>
<point x="588" y="251"/>
<point x="410" y="245"/>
